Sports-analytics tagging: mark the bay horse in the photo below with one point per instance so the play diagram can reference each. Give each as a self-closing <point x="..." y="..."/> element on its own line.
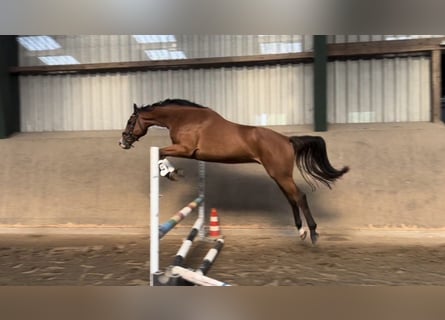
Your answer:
<point x="198" y="132"/>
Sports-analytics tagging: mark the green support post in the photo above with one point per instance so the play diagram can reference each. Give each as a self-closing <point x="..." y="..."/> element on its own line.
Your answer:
<point x="9" y="88"/>
<point x="320" y="82"/>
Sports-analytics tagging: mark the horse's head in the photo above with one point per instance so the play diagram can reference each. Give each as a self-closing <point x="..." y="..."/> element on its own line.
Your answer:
<point x="134" y="130"/>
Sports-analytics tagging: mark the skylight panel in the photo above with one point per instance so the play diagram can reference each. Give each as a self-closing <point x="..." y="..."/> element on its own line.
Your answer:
<point x="164" y="54"/>
<point x="400" y="37"/>
<point x="59" y="60"/>
<point x="38" y="43"/>
<point x="154" y="38"/>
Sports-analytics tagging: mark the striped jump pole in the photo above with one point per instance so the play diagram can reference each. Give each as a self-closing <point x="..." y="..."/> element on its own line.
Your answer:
<point x="178" y="217"/>
<point x="187" y="244"/>
<point x="210" y="257"/>
<point x="201" y="193"/>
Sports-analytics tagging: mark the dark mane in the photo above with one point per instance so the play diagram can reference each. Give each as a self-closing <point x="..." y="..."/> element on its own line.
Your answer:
<point x="179" y="102"/>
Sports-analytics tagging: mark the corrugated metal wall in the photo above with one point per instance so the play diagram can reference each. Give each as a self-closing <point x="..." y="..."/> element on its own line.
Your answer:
<point x="268" y="95"/>
<point x="379" y="90"/>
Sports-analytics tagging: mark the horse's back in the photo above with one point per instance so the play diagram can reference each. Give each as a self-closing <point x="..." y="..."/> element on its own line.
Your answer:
<point x="242" y="143"/>
<point x="221" y="140"/>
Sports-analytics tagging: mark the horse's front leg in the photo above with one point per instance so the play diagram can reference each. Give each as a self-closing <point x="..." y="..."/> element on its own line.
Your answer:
<point x="166" y="169"/>
<point x="177" y="150"/>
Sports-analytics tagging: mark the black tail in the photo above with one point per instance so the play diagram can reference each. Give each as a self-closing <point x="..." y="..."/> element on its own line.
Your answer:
<point x="312" y="161"/>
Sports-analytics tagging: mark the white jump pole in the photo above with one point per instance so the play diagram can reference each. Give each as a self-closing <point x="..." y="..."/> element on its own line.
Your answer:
<point x="197" y="278"/>
<point x="154" y="212"/>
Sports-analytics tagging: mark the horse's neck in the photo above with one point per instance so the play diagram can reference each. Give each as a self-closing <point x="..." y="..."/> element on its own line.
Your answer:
<point x="177" y="115"/>
<point x="169" y="117"/>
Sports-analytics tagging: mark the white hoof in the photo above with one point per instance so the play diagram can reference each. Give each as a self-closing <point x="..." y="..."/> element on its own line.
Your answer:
<point x="303" y="233"/>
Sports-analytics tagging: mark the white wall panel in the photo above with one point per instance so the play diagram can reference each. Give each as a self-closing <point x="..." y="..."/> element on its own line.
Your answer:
<point x="379" y="90"/>
<point x="268" y="95"/>
<point x="344" y="38"/>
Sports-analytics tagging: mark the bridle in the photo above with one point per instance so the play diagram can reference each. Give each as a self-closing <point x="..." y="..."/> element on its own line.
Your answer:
<point x="129" y="137"/>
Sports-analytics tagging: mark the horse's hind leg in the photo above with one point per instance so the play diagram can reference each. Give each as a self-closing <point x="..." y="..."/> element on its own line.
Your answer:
<point x="309" y="219"/>
<point x="303" y="205"/>
<point x="280" y="169"/>
<point x="296" y="213"/>
<point x="297" y="199"/>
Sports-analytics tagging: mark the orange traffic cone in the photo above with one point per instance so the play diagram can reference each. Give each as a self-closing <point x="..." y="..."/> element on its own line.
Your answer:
<point x="214" y="229"/>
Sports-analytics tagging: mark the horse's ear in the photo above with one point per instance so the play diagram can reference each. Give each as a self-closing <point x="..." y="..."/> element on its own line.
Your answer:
<point x="135" y="107"/>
